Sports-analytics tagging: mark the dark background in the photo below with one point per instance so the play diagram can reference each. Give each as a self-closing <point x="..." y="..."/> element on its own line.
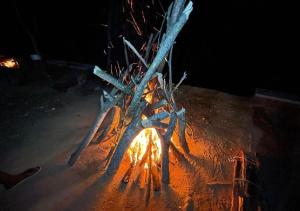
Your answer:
<point x="234" y="46"/>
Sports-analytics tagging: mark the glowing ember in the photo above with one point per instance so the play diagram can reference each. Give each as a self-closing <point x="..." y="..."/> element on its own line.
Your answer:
<point x="9" y="63"/>
<point x="140" y="144"/>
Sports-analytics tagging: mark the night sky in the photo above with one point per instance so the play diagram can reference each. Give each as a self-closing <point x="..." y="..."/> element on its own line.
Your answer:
<point x="225" y="43"/>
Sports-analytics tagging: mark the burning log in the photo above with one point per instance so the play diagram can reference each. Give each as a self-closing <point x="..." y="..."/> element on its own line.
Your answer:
<point x="146" y="102"/>
<point x="155" y="178"/>
<point x="128" y="174"/>
<point x="149" y="168"/>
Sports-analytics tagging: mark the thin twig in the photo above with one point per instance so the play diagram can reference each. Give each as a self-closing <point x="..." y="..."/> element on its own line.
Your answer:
<point x="135" y="52"/>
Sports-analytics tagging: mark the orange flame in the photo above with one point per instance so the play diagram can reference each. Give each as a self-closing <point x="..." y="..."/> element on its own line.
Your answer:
<point x="140" y="143"/>
<point x="9" y="63"/>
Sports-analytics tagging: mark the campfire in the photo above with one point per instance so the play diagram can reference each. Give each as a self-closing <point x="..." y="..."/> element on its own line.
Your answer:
<point x="140" y="112"/>
<point x="9" y="63"/>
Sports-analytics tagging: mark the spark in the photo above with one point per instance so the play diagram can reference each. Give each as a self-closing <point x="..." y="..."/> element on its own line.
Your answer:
<point x="155" y="29"/>
<point x="135" y="25"/>
<point x="143" y="15"/>
<point x="143" y="46"/>
<point x="130" y="2"/>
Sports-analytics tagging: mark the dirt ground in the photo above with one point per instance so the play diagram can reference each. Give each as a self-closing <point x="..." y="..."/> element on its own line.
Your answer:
<point x="41" y="126"/>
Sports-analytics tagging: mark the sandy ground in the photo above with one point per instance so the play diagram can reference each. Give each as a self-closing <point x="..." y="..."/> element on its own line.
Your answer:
<point x="42" y="127"/>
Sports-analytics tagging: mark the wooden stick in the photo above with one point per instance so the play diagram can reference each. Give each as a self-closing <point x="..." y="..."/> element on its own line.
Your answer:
<point x="149" y="47"/>
<point x="109" y="122"/>
<point x="88" y="138"/>
<point x="135" y="52"/>
<point x="165" y="177"/>
<point x="166" y="45"/>
<point x="107" y="77"/>
<point x="176" y="10"/>
<point x="145" y="156"/>
<point x="131" y="131"/>
<point x="108" y="158"/>
<point x="182" y="126"/>
<point x="154" y="124"/>
<point x="128" y="173"/>
<point x="159" y="116"/>
<point x="180" y="82"/>
<point x="92" y="131"/>
<point x="150" y="164"/>
<point x="155" y="177"/>
<point x="176" y="152"/>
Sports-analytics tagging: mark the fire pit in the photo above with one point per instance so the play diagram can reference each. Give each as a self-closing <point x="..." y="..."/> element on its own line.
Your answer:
<point x="140" y="111"/>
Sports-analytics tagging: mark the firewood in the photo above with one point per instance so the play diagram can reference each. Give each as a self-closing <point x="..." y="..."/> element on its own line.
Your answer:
<point x="165" y="46"/>
<point x="131" y="131"/>
<point x="128" y="173"/>
<point x="142" y="90"/>
<point x="179" y="156"/>
<point x="145" y="156"/>
<point x="108" y="157"/>
<point x="88" y="138"/>
<point x="149" y="171"/>
<point x="110" y="122"/>
<point x="182" y="126"/>
<point x="155" y="178"/>
<point x="135" y="51"/>
<point x="148" y="48"/>
<point x="165" y="174"/>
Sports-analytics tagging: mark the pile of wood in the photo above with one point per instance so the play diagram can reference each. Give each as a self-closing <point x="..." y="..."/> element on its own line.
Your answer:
<point x="142" y="90"/>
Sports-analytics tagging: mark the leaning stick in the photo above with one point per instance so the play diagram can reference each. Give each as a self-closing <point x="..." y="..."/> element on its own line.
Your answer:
<point x="87" y="139"/>
<point x="107" y="77"/>
<point x="182" y="125"/>
<point x="131" y="131"/>
<point x="92" y="131"/>
<point x="155" y="179"/>
<point x="166" y="45"/>
<point x="165" y="173"/>
<point x="176" y="152"/>
<point x="127" y="175"/>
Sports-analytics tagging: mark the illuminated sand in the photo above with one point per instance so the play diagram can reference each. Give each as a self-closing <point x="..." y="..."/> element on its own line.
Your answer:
<point x="220" y="124"/>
